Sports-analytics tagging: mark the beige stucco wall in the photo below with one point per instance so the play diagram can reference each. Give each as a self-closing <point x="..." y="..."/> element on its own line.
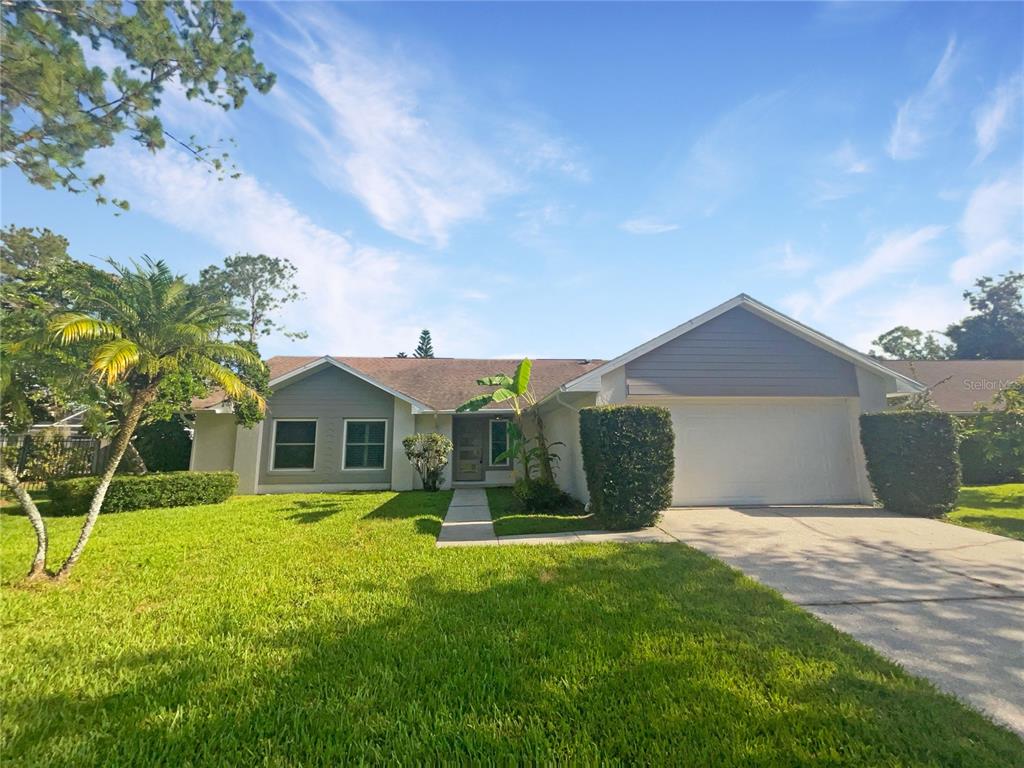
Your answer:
<point x="562" y="425"/>
<point x="213" y="443"/>
<point x="402" y="472"/>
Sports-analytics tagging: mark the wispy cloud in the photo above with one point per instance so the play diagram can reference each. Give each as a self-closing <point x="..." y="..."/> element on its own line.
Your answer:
<point x="848" y="160"/>
<point x="360" y="300"/>
<point x="647" y="226"/>
<point x="925" y="307"/>
<point x="914" y="117"/>
<point x="898" y="252"/>
<point x="992" y="229"/>
<point x="725" y="160"/>
<point x="787" y="259"/>
<point x="997" y="115"/>
<point x="394" y="131"/>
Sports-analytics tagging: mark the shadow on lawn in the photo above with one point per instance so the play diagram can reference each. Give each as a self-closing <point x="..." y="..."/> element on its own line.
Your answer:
<point x="428" y="509"/>
<point x="982" y="498"/>
<point x="621" y="654"/>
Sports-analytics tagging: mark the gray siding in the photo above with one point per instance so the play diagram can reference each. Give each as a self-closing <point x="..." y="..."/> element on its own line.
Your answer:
<point x="330" y="396"/>
<point x="739" y="354"/>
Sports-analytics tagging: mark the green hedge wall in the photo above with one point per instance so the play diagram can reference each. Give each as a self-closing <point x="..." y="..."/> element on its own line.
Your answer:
<point x="628" y="456"/>
<point x="912" y="460"/>
<point x="151" y="491"/>
<point x="991" y="449"/>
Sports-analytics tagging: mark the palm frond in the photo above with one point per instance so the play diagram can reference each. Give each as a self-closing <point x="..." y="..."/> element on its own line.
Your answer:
<point x="227" y="380"/>
<point x="174" y="293"/>
<point x="232" y="353"/>
<point x="112" y="360"/>
<point x="75" y="326"/>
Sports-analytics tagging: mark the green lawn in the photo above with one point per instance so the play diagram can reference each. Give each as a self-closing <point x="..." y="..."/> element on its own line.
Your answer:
<point x="328" y="629"/>
<point x="993" y="508"/>
<point x="509" y="520"/>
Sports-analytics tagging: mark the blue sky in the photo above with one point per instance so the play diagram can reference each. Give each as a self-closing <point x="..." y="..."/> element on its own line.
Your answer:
<point x="570" y="180"/>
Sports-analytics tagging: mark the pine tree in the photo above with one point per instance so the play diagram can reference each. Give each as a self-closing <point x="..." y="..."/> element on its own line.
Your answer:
<point x="426" y="347"/>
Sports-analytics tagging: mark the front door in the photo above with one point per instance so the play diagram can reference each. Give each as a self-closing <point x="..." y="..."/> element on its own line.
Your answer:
<point x="469" y="449"/>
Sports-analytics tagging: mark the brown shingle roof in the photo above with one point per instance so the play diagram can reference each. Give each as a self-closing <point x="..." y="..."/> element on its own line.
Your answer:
<point x="956" y="385"/>
<point x="442" y="383"/>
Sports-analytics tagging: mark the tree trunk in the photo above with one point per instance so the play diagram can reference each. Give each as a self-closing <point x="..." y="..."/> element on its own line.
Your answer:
<point x="135" y="460"/>
<point x="547" y="474"/>
<point x="10" y="479"/>
<point x="124" y="435"/>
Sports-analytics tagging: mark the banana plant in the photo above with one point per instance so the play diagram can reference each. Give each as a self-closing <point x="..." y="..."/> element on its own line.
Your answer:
<point x="515" y="391"/>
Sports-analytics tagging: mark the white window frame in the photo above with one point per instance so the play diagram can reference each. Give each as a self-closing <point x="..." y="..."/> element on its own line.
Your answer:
<point x="273" y="447"/>
<point x="344" y="446"/>
<point x="490" y="444"/>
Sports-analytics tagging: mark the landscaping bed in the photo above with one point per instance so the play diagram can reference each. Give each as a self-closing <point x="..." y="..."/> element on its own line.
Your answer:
<point x="329" y="629"/>
<point x="510" y="520"/>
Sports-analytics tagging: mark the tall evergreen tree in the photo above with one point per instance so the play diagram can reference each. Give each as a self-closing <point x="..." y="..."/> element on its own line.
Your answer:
<point x="426" y="346"/>
<point x="55" y="106"/>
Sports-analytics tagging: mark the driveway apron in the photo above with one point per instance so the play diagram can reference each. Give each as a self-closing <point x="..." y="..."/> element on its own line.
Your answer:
<point x="944" y="601"/>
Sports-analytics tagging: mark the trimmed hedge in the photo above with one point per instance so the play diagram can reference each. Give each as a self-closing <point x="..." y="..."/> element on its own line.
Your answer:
<point x="151" y="491"/>
<point x="912" y="460"/>
<point x="629" y="459"/>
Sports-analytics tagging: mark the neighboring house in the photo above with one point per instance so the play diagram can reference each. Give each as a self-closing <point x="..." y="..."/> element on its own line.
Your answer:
<point x="957" y="386"/>
<point x="71" y="425"/>
<point x="765" y="411"/>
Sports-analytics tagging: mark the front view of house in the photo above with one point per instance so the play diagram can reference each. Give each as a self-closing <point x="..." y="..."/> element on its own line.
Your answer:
<point x="765" y="411"/>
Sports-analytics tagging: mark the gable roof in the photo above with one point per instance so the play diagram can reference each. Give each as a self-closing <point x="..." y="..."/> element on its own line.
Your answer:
<point x="429" y="384"/>
<point x="957" y="385"/>
<point x="591" y="380"/>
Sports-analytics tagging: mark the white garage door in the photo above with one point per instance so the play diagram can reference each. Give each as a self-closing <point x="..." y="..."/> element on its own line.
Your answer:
<point x="757" y="451"/>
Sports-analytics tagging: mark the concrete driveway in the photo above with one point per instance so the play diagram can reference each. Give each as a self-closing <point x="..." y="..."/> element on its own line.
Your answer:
<point x="945" y="602"/>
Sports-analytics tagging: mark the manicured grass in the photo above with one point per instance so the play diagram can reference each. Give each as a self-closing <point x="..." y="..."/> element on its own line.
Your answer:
<point x="42" y="499"/>
<point x="510" y="521"/>
<point x="328" y="629"/>
<point x="994" y="508"/>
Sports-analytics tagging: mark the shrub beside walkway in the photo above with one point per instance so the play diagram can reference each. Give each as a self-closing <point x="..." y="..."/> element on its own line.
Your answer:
<point x="468" y="523"/>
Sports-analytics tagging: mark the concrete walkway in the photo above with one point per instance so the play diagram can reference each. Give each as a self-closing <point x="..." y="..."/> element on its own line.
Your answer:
<point x="944" y="601"/>
<point x="468" y="522"/>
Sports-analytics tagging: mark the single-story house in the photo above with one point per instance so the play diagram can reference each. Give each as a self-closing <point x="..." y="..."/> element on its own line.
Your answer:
<point x="959" y="386"/>
<point x="765" y="410"/>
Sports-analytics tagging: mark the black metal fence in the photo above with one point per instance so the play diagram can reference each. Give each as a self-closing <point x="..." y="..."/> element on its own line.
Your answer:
<point x="39" y="457"/>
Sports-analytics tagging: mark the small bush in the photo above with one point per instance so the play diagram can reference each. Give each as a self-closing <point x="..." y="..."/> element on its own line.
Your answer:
<point x="912" y="460"/>
<point x="628" y="455"/>
<point x="428" y="452"/>
<point x="533" y="495"/>
<point x="129" y="492"/>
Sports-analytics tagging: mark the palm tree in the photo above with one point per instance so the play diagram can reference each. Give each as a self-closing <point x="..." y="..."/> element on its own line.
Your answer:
<point x="143" y="324"/>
